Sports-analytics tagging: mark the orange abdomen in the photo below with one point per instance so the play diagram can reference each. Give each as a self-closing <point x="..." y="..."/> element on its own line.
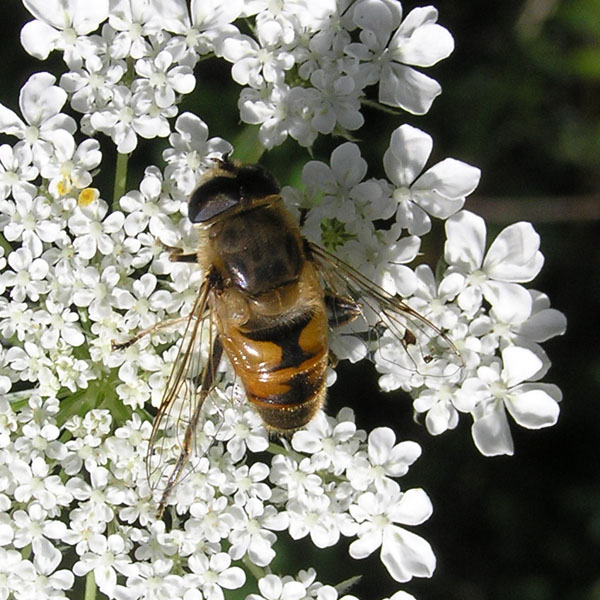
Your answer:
<point x="282" y="366"/>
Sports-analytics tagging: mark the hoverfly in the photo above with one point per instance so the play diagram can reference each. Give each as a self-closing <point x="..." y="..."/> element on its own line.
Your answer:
<point x="267" y="301"/>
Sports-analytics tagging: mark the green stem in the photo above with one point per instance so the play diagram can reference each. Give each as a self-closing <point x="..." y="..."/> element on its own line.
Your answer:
<point x="256" y="571"/>
<point x="120" y="179"/>
<point x="277" y="449"/>
<point x="6" y="245"/>
<point x="90" y="586"/>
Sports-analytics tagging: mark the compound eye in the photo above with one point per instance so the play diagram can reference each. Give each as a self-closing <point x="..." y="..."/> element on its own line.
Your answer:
<point x="256" y="182"/>
<point x="213" y="198"/>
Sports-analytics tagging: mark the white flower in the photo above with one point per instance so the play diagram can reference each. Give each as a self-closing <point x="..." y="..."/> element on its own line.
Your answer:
<point x="405" y="554"/>
<point x="331" y="444"/>
<point x="33" y="527"/>
<point x="296" y="478"/>
<point x="203" y="15"/>
<point x="311" y="515"/>
<point x="498" y="389"/>
<point x="62" y="25"/>
<point x="191" y="151"/>
<point x="210" y="575"/>
<point x="155" y="578"/>
<point x="280" y="110"/>
<point x="272" y="587"/>
<point x="107" y="556"/>
<point x="71" y="166"/>
<point x="93" y="230"/>
<point x="44" y="125"/>
<point x="439" y="191"/>
<point x="242" y="428"/>
<point x="16" y="170"/>
<point x="35" y="482"/>
<point x="419" y="41"/>
<point x="382" y="259"/>
<point x="143" y="303"/>
<point x="256" y="63"/>
<point x="384" y="459"/>
<point x="61" y="323"/>
<point x="164" y="78"/>
<point x="512" y="258"/>
<point x="211" y="519"/>
<point x="27" y="278"/>
<point x="251" y="534"/>
<point x="133" y="22"/>
<point x="31" y="222"/>
<point x="338" y="101"/>
<point x="127" y="116"/>
<point x="91" y="86"/>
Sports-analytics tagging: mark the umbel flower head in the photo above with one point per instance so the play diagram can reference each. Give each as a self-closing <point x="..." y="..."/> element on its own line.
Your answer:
<point x="82" y="266"/>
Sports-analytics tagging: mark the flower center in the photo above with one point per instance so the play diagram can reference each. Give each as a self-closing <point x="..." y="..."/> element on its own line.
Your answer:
<point x="402" y="195"/>
<point x="476" y="278"/>
<point x="32" y="134"/>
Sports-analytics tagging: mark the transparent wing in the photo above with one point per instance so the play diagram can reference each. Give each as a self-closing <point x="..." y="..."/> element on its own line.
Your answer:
<point x="393" y="333"/>
<point x="192" y="379"/>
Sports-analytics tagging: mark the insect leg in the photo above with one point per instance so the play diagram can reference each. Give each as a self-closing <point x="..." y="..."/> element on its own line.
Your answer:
<point x="207" y="383"/>
<point x="340" y="310"/>
<point x="144" y="332"/>
<point x="177" y="254"/>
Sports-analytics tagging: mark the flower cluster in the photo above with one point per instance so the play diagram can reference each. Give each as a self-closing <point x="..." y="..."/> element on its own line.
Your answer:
<point x="493" y="358"/>
<point x="78" y="271"/>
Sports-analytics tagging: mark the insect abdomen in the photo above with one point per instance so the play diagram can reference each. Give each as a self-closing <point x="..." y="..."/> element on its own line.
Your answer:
<point x="283" y="367"/>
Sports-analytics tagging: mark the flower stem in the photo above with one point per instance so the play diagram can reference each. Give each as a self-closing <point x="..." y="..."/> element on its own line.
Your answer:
<point x="6" y="245"/>
<point x="90" y="586"/>
<point x="256" y="571"/>
<point x="120" y="179"/>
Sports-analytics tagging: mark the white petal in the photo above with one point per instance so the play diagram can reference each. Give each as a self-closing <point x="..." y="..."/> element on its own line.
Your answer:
<point x="465" y="240"/>
<point x="520" y="364"/>
<point x="414" y="508"/>
<point x="406" y="555"/>
<point x="381" y="441"/>
<point x="511" y="302"/>
<point x="533" y="409"/>
<point x="440" y="418"/>
<point x="207" y="14"/>
<point x="365" y="545"/>
<point x="407" y="88"/>
<point x="416" y="18"/>
<point x="49" y="11"/>
<point x="89" y="15"/>
<point x="10" y="122"/>
<point x="38" y="269"/>
<point x="347" y="164"/>
<point x="232" y="578"/>
<point x="450" y="177"/>
<point x="544" y="325"/>
<point x="173" y="14"/>
<point x="40" y="99"/>
<point x="491" y="432"/>
<point x="427" y="45"/>
<point x="377" y="16"/>
<point x="407" y="154"/>
<point x="46" y="556"/>
<point x="437" y="204"/>
<point x="514" y="255"/>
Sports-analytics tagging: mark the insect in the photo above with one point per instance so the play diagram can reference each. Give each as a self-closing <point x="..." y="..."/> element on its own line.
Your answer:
<point x="267" y="301"/>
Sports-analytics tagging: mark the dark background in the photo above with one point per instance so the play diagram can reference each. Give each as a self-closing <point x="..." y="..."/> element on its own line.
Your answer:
<point x="521" y="102"/>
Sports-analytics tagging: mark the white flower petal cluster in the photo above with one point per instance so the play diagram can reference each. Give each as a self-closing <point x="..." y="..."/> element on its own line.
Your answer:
<point x="78" y="272"/>
<point x="304" y="76"/>
<point x="335" y="482"/>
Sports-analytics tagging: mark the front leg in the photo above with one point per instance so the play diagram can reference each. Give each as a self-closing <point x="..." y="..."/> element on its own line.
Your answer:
<point x="178" y="254"/>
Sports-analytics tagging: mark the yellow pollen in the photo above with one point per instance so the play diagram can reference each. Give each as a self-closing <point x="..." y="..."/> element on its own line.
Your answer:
<point x="87" y="196"/>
